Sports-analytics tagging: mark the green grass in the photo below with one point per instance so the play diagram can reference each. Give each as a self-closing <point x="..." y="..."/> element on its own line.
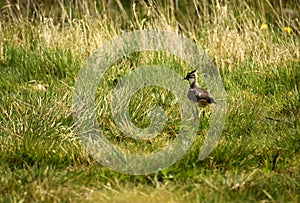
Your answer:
<point x="257" y="158"/>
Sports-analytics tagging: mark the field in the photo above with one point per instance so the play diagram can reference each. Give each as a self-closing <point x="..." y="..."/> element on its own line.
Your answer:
<point x="255" y="46"/>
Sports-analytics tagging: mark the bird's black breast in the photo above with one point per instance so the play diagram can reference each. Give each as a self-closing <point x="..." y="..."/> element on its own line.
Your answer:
<point x="192" y="96"/>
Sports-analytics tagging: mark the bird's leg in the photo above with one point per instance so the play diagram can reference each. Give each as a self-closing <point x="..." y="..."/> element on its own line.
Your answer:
<point x="200" y="111"/>
<point x="201" y="105"/>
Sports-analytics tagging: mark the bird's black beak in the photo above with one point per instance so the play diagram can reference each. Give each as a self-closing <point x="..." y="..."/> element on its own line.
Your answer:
<point x="185" y="78"/>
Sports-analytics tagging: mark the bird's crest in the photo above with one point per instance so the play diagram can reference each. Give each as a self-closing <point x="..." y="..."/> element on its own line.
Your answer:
<point x="190" y="75"/>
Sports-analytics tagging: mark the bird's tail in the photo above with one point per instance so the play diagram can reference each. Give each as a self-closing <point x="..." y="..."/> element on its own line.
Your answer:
<point x="211" y="101"/>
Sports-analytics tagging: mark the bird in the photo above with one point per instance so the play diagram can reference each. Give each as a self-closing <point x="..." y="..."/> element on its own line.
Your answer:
<point x="196" y="93"/>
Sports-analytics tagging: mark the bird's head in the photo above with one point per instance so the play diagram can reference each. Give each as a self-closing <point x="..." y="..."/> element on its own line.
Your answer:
<point x="191" y="76"/>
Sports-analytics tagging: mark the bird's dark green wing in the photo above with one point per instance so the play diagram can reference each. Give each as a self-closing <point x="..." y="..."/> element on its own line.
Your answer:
<point x="199" y="94"/>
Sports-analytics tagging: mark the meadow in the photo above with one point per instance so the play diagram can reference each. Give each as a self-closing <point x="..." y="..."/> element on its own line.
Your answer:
<point x="255" y="46"/>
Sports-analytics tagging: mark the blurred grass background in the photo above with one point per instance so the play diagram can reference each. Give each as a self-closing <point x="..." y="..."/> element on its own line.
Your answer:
<point x="255" y="45"/>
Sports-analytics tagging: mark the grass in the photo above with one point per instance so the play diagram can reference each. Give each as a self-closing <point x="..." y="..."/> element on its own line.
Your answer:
<point x="42" y="51"/>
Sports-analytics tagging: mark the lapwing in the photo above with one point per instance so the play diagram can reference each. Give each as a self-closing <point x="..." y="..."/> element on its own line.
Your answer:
<point x="196" y="93"/>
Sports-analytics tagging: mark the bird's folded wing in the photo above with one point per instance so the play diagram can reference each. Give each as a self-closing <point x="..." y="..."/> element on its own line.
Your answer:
<point x="200" y="94"/>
